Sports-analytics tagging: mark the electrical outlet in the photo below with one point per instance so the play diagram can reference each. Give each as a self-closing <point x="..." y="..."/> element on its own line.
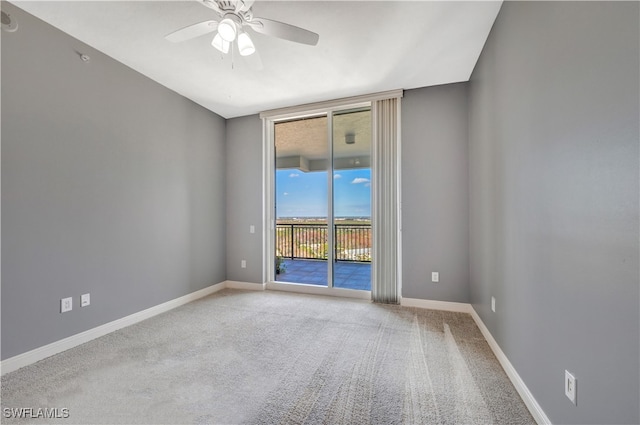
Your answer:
<point x="435" y="277"/>
<point x="252" y="229"/>
<point x="85" y="300"/>
<point x="243" y="264"/>
<point x="66" y="304"/>
<point x="570" y="387"/>
<point x="493" y="304"/>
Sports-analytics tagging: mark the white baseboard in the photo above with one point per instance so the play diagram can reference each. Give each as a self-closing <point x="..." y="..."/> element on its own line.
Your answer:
<point x="234" y="284"/>
<point x="30" y="357"/>
<point x="531" y="403"/>
<point x="436" y="305"/>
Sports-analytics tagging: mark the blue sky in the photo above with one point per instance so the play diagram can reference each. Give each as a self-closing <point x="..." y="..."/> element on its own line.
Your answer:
<point x="300" y="194"/>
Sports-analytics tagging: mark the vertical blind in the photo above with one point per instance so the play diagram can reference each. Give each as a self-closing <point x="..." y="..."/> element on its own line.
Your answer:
<point x="385" y="282"/>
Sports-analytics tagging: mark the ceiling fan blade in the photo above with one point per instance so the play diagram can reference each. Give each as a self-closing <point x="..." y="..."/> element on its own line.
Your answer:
<point x="242" y="5"/>
<point x="192" y="31"/>
<point x="213" y="4"/>
<point x="284" y="31"/>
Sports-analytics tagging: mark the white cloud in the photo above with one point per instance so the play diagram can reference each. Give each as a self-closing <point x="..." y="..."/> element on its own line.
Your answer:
<point x="292" y="175"/>
<point x="286" y="193"/>
<point x="337" y="176"/>
<point x="359" y="180"/>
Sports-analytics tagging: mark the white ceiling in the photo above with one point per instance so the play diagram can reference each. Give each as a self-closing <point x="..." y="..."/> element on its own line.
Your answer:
<point x="365" y="47"/>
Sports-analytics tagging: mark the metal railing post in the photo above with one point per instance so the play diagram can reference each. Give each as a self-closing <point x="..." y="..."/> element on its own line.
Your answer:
<point x="291" y="239"/>
<point x="335" y="243"/>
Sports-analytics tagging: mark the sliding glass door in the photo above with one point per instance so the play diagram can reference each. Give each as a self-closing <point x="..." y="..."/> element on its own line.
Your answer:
<point x="322" y="197"/>
<point x="351" y="152"/>
<point x="301" y="201"/>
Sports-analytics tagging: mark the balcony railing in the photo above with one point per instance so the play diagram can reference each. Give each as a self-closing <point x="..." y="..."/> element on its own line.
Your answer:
<point x="309" y="241"/>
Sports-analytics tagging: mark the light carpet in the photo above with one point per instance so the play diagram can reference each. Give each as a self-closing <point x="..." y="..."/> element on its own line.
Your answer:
<point x="276" y="358"/>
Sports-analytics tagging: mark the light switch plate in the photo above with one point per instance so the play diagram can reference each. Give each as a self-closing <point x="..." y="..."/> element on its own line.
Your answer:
<point x="85" y="300"/>
<point x="435" y="277"/>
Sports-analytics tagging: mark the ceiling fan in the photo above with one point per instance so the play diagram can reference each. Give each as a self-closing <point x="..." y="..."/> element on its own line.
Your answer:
<point x="235" y="16"/>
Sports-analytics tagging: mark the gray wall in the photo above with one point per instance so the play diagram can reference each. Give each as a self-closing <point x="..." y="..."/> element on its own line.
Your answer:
<point x="111" y="184"/>
<point x="435" y="197"/>
<point x="554" y="189"/>
<point x="244" y="198"/>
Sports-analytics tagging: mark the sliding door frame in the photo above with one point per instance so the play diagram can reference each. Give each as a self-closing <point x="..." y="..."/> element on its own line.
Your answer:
<point x="269" y="119"/>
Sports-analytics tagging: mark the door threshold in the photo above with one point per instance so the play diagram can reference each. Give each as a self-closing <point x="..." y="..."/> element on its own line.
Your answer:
<point x="302" y="288"/>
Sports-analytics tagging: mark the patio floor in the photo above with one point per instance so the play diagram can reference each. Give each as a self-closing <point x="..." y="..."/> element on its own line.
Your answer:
<point x="314" y="272"/>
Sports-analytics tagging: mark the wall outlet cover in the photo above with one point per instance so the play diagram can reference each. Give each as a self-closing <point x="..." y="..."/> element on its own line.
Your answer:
<point x="66" y="304"/>
<point x="435" y="277"/>
<point x="570" y="387"/>
<point x="493" y="304"/>
<point x="85" y="300"/>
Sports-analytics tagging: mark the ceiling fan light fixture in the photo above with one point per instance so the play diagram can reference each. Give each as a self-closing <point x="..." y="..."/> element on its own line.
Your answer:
<point x="227" y="30"/>
<point x="221" y="44"/>
<point x="245" y="45"/>
<point x="228" y="27"/>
